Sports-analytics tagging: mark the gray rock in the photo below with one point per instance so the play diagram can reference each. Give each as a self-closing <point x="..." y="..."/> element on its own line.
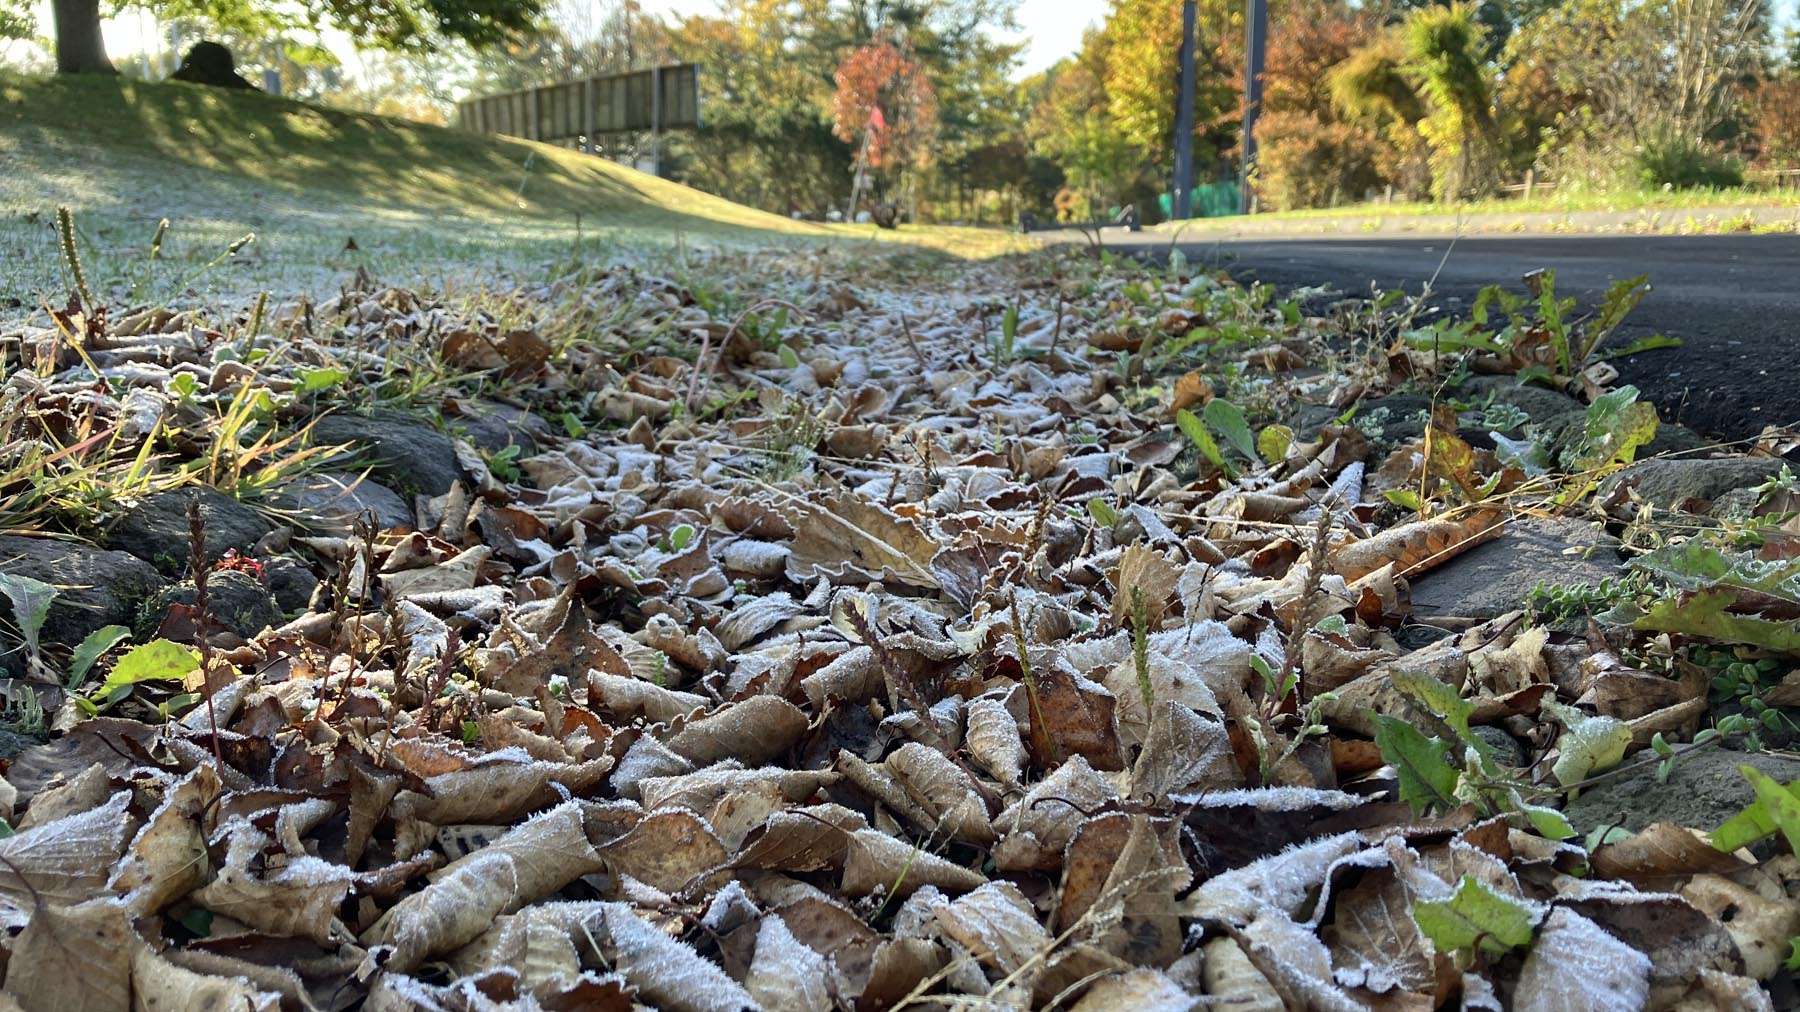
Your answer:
<point x="12" y="742"/>
<point x="493" y="427"/>
<point x="1672" y="437"/>
<point x="1494" y="578"/>
<point x="1537" y="401"/>
<point x="156" y="530"/>
<point x="330" y="502"/>
<point x="99" y="587"/>
<point x="1703" y="790"/>
<point x="1723" y="483"/>
<point x="235" y="600"/>
<point x="1387" y="421"/>
<point x="406" y="452"/>
<point x="1507" y="750"/>
<point x="291" y="583"/>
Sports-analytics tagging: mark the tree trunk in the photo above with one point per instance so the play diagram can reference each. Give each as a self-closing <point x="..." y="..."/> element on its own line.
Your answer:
<point x="80" y="49"/>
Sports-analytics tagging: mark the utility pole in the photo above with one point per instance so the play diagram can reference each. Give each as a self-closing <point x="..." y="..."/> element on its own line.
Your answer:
<point x="1256" y="41"/>
<point x="1182" y="191"/>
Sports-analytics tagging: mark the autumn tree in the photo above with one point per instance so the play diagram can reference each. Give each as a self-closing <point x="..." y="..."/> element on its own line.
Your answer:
<point x="1308" y="152"/>
<point x="885" y="106"/>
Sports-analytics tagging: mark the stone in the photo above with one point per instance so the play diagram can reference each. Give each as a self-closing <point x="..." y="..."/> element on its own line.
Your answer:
<point x="291" y="582"/>
<point x="1537" y="401"/>
<point x="12" y="742"/>
<point x="1494" y="578"/>
<point x="329" y="502"/>
<point x="156" y="529"/>
<point x="1723" y="484"/>
<point x="235" y="600"/>
<point x="406" y="453"/>
<point x="1704" y="789"/>
<point x="97" y="587"/>
<point x="492" y="427"/>
<point x="1387" y="421"/>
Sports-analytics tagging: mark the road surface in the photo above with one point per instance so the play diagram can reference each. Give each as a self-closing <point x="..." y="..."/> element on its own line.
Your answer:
<point x="1733" y="300"/>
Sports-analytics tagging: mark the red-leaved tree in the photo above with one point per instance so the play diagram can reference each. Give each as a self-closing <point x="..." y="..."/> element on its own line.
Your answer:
<point x="886" y="106"/>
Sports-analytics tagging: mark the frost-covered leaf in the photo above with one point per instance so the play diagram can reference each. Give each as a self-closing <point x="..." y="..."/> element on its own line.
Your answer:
<point x="1588" y="744"/>
<point x="1577" y="967"/>
<point x="669" y="973"/>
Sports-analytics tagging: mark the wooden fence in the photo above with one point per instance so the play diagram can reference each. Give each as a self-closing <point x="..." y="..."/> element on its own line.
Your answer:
<point x="661" y="98"/>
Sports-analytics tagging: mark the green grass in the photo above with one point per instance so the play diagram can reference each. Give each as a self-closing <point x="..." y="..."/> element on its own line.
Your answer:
<point x="421" y="203"/>
<point x="1637" y="211"/>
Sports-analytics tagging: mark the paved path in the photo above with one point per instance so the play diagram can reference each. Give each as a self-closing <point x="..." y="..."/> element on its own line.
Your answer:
<point x="1734" y="300"/>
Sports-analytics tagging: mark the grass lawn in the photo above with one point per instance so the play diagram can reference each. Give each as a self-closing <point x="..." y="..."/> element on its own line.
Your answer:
<point x="1740" y="209"/>
<point x="325" y="192"/>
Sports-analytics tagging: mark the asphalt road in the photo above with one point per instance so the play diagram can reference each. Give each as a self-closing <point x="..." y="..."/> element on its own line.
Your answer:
<point x="1733" y="300"/>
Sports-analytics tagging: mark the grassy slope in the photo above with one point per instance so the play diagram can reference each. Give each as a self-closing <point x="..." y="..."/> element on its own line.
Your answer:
<point x="418" y="200"/>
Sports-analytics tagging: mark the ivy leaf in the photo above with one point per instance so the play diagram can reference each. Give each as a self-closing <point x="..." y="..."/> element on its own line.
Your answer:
<point x="1195" y="430"/>
<point x="90" y="649"/>
<point x="155" y="661"/>
<point x="1474" y="916"/>
<point x="1227" y="419"/>
<point x="1426" y="776"/>
<point x="1704" y="615"/>
<point x="1764" y="816"/>
<point x="1590" y="745"/>
<point x="30" y="604"/>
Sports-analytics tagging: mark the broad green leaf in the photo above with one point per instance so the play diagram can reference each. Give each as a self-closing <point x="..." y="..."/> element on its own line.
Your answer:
<point x="30" y="604"/>
<point x="1783" y="807"/>
<point x="1705" y="615"/>
<point x="1697" y="564"/>
<point x="1524" y="454"/>
<point x="1195" y="430"/>
<point x="1440" y="699"/>
<point x="1333" y="624"/>
<point x="323" y="378"/>
<point x="1227" y="419"/>
<point x="1404" y="497"/>
<point x="1617" y="424"/>
<point x="89" y="650"/>
<point x="1589" y="745"/>
<point x="1426" y="776"/>
<point x="682" y="536"/>
<point x="1475" y="916"/>
<point x="1549" y="823"/>
<point x="1776" y="809"/>
<point x="789" y="359"/>
<point x="1273" y="442"/>
<point x="1102" y="512"/>
<point x="157" y="660"/>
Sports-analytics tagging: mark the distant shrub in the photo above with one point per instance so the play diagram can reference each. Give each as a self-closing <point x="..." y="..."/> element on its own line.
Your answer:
<point x="1682" y="163"/>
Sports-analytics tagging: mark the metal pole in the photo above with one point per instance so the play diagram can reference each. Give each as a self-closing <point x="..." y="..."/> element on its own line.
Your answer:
<point x="1182" y="189"/>
<point x="1256" y="40"/>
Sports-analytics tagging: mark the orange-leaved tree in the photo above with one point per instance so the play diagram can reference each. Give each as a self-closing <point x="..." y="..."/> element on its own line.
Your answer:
<point x="886" y="107"/>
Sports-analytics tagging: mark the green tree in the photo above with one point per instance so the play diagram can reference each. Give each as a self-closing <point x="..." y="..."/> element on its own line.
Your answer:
<point x="394" y="24"/>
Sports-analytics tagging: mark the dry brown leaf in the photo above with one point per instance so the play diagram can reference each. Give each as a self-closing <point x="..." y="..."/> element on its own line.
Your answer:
<point x="876" y="862"/>
<point x="75" y="957"/>
<point x="1416" y="547"/>
<point x="1659" y="853"/>
<point x="664" y="970"/>
<point x="845" y="538"/>
<point x="668" y="849"/>
<point x="66" y="861"/>
<point x="528" y="863"/>
<point x="786" y="974"/>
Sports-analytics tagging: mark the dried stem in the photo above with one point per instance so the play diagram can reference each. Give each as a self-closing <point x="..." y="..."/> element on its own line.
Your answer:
<point x="197" y="562"/>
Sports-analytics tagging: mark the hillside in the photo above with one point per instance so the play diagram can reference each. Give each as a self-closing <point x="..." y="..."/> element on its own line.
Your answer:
<point x="307" y="180"/>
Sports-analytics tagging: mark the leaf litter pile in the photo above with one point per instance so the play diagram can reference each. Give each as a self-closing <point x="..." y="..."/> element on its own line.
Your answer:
<point x="1027" y="635"/>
